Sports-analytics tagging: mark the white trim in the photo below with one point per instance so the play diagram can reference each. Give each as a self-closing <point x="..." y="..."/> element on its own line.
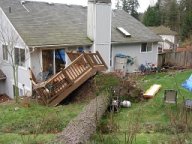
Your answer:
<point x="20" y="66"/>
<point x="4" y="60"/>
<point x="41" y="59"/>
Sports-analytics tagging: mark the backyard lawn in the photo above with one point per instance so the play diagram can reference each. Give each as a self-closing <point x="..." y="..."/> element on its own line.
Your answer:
<point x="34" y="124"/>
<point x="149" y="121"/>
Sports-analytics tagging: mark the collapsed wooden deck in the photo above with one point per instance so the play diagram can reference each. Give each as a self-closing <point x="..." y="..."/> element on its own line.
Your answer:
<point x="59" y="86"/>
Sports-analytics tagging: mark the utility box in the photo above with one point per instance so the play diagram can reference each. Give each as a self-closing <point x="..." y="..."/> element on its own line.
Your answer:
<point x="121" y="64"/>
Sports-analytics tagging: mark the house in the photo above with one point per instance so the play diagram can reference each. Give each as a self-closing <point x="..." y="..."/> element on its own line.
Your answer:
<point x="42" y="33"/>
<point x="169" y="37"/>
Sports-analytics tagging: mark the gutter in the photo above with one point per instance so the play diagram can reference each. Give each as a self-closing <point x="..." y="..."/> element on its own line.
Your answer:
<point x="58" y="46"/>
<point x="118" y="43"/>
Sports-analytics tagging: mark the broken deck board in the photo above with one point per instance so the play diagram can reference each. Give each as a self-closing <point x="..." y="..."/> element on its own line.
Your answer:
<point x="59" y="86"/>
<point x="152" y="91"/>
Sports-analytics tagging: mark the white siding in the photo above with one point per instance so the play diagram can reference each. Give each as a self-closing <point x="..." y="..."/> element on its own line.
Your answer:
<point x="170" y="38"/>
<point x="36" y="61"/>
<point x="134" y="50"/>
<point x="9" y="32"/>
<point x="99" y="29"/>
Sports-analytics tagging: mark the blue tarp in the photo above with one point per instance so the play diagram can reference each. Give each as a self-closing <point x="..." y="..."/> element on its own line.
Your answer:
<point x="120" y="55"/>
<point x="188" y="84"/>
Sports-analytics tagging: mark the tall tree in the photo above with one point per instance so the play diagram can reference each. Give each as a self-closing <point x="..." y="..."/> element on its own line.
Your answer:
<point x="131" y="7"/>
<point x="152" y="16"/>
<point x="170" y="12"/>
<point x="186" y="18"/>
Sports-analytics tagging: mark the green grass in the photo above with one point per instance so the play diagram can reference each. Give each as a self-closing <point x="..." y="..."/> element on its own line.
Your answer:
<point x="12" y="138"/>
<point x="36" y="123"/>
<point x="153" y="119"/>
<point x="40" y="124"/>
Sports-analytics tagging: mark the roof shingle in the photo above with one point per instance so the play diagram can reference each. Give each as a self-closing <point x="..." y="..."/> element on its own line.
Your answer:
<point x="59" y="24"/>
<point x="162" y="30"/>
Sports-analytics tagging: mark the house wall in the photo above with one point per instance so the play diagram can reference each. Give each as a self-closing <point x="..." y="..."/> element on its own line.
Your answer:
<point x="134" y="50"/>
<point x="10" y="35"/>
<point x="36" y="61"/>
<point x="170" y="38"/>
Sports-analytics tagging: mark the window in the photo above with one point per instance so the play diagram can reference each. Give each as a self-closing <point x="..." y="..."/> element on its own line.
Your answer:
<point x="5" y="52"/>
<point x="20" y="57"/>
<point x="80" y="49"/>
<point x="160" y="49"/>
<point x="146" y="47"/>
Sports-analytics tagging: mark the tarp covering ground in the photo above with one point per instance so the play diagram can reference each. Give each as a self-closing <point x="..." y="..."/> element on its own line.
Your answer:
<point x="188" y="84"/>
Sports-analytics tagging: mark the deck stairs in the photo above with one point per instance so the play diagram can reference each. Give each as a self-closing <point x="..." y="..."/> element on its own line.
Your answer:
<point x="54" y="90"/>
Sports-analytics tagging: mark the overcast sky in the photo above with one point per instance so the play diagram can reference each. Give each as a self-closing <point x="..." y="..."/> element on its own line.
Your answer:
<point x="143" y="3"/>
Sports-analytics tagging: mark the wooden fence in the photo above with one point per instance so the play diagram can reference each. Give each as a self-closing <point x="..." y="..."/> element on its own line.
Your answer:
<point x="183" y="59"/>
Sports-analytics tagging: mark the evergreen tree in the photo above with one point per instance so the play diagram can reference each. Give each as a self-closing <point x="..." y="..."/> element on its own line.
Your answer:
<point x="152" y="16"/>
<point x="170" y="14"/>
<point x="186" y="18"/>
<point x="131" y="7"/>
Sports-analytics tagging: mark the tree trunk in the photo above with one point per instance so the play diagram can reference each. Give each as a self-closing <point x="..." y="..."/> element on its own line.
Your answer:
<point x="84" y="125"/>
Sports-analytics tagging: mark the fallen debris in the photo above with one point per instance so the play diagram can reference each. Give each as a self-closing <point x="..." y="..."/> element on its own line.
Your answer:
<point x="152" y="91"/>
<point x="84" y="125"/>
<point x="4" y="98"/>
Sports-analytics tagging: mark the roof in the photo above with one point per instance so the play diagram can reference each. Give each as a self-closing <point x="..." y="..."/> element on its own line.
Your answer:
<point x="60" y="24"/>
<point x="48" y="24"/>
<point x="100" y="1"/>
<point x="162" y="30"/>
<point x="2" y="75"/>
<point x="139" y="33"/>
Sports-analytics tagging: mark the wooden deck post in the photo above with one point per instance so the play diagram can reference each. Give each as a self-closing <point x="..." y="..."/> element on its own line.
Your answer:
<point x="67" y="77"/>
<point x="101" y="59"/>
<point x="88" y="60"/>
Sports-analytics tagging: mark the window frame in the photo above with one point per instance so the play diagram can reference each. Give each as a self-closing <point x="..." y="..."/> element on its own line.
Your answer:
<point x="5" y="52"/>
<point x="21" y="61"/>
<point x="148" y="47"/>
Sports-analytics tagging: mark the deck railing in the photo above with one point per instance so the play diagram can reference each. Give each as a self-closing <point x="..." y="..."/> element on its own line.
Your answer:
<point x="57" y="84"/>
